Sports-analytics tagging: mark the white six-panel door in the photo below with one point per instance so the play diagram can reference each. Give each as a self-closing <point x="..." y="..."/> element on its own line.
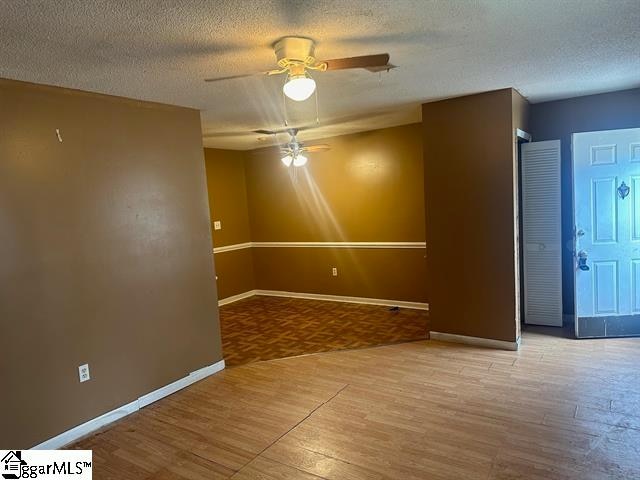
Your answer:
<point x="606" y="167"/>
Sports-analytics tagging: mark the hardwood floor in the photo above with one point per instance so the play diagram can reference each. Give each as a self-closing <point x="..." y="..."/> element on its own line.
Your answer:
<point x="264" y="328"/>
<point x="557" y="409"/>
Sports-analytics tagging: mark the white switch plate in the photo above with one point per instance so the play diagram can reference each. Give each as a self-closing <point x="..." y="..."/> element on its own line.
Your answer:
<point x="217" y="225"/>
<point x="83" y="373"/>
<point x="334" y="271"/>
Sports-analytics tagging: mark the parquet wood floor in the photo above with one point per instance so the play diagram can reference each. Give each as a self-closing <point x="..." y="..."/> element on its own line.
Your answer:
<point x="264" y="328"/>
<point x="557" y="409"/>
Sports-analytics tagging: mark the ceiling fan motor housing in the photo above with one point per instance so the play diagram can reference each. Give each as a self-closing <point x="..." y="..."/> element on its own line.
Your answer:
<point x="295" y="51"/>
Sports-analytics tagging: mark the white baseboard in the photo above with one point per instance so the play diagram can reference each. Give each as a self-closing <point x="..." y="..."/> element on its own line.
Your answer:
<point x="86" y="428"/>
<point x="329" y="298"/>
<point x="167" y="390"/>
<point x="235" y="298"/>
<point x="477" y="341"/>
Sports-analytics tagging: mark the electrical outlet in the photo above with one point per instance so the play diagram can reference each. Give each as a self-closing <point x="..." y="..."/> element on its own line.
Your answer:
<point x="334" y="271"/>
<point x="83" y="373"/>
<point x="217" y="225"/>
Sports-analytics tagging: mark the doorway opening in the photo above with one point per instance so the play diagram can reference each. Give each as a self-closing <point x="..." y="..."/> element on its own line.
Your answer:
<point x="540" y="237"/>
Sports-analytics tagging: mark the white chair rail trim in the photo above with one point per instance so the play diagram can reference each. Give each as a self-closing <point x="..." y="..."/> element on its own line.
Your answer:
<point x="240" y="246"/>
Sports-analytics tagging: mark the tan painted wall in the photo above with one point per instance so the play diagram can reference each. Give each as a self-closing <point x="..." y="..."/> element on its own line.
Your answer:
<point x="228" y="203"/>
<point x="368" y="187"/>
<point x="470" y="219"/>
<point x="105" y="256"/>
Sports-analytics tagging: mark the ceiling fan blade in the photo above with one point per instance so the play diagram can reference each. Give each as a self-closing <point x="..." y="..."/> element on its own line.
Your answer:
<point x="369" y="62"/>
<point x="265" y="132"/>
<point x="232" y="77"/>
<point x="383" y="68"/>
<point x="283" y="130"/>
<point x="316" y="148"/>
<point x="225" y="134"/>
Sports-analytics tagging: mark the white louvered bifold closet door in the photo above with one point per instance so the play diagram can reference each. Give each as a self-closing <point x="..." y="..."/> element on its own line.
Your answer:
<point x="542" y="233"/>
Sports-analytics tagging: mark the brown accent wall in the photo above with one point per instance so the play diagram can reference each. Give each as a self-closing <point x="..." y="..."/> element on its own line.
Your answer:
<point x="470" y="203"/>
<point x="228" y="204"/>
<point x="394" y="274"/>
<point x="368" y="187"/>
<point x="105" y="256"/>
<point x="559" y="120"/>
<point x="234" y="270"/>
<point x="227" y="196"/>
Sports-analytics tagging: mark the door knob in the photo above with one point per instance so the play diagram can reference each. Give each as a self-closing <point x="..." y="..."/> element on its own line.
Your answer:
<point x="582" y="261"/>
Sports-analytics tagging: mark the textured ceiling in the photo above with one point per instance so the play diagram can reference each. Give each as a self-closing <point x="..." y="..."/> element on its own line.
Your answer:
<point x="161" y="50"/>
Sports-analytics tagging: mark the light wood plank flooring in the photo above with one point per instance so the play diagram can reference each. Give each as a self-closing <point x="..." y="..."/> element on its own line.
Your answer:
<point x="557" y="409"/>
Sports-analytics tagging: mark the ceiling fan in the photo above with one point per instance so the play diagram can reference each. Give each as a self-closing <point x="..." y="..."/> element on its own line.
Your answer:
<point x="295" y="57"/>
<point x="293" y="152"/>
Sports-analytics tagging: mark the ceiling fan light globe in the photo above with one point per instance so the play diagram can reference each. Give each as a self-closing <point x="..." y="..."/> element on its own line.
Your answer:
<point x="299" y="87"/>
<point x="287" y="160"/>
<point x="300" y="160"/>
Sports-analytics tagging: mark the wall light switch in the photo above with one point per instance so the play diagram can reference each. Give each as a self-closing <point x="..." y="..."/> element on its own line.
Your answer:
<point x="217" y="225"/>
<point x="334" y="271"/>
<point x="83" y="373"/>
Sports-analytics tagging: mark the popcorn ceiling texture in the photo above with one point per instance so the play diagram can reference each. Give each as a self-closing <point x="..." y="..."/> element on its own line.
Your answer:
<point x="162" y="50"/>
